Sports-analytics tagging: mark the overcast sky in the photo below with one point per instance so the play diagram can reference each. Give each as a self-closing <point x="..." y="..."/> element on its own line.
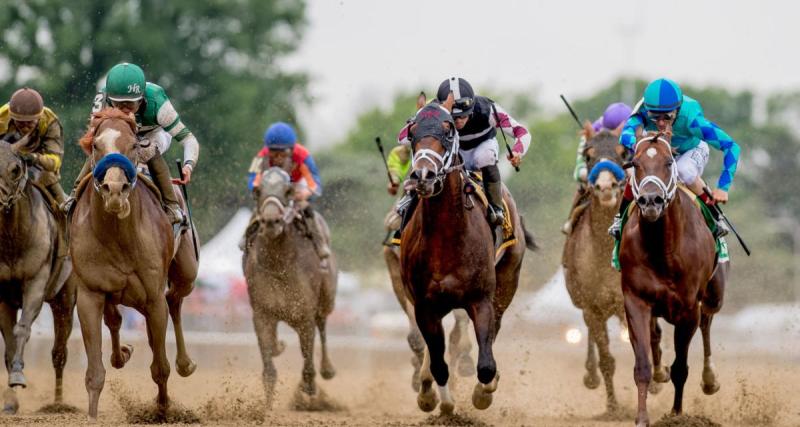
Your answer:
<point x="361" y="53"/>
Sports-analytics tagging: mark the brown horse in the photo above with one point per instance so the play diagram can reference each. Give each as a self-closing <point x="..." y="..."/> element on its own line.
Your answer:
<point x="592" y="283"/>
<point x="460" y="345"/>
<point x="124" y="252"/>
<point x="285" y="282"/>
<point x="669" y="270"/>
<point x="448" y="259"/>
<point x="30" y="272"/>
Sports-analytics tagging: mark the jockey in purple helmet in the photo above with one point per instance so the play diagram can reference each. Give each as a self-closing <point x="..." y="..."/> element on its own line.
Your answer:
<point x="613" y="119"/>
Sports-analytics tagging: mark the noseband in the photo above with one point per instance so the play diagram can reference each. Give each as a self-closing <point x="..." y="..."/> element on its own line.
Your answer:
<point x="288" y="212"/>
<point x="667" y="189"/>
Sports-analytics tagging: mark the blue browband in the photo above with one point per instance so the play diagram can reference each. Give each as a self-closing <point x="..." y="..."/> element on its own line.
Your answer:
<point x="115" y="160"/>
<point x="608" y="165"/>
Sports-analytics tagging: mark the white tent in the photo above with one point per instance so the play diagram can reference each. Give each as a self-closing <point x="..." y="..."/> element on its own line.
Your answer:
<point x="220" y="257"/>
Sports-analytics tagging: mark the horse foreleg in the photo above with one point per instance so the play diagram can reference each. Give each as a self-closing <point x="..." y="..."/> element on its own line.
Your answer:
<point x="639" y="315"/>
<point x="183" y="363"/>
<point x="8" y="317"/>
<point x="710" y="385"/>
<point x="266" y="332"/>
<point x="32" y="300"/>
<point x="660" y="372"/>
<point x="483" y="320"/>
<point x="680" y="369"/>
<point x="156" y="319"/>
<point x="326" y="367"/>
<point x="414" y="337"/>
<point x="591" y="380"/>
<point x="597" y="329"/>
<point x="113" y="319"/>
<point x="63" y="310"/>
<point x="430" y="324"/>
<point x="460" y="345"/>
<point x="306" y="333"/>
<point x="90" y="313"/>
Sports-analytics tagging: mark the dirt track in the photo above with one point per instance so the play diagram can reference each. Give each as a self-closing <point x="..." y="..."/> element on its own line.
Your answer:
<point x="541" y="385"/>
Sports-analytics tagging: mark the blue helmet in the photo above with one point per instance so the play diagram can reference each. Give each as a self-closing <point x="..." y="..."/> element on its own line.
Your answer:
<point x="280" y="136"/>
<point x="663" y="95"/>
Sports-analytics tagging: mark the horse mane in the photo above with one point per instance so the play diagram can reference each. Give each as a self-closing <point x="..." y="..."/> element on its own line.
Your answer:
<point x="99" y="117"/>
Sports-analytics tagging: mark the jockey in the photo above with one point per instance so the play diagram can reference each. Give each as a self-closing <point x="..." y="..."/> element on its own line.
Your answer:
<point x="477" y="119"/>
<point x="26" y="116"/>
<point x="158" y="123"/>
<point x="282" y="149"/>
<point x="664" y="106"/>
<point x="612" y="120"/>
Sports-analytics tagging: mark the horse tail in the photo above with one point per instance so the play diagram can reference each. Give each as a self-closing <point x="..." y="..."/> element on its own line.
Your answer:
<point x="530" y="242"/>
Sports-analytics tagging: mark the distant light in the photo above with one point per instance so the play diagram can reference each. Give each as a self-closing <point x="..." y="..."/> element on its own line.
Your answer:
<point x="573" y="336"/>
<point x="623" y="335"/>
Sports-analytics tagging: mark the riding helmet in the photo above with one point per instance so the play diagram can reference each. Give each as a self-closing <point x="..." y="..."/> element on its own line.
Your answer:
<point x="663" y="95"/>
<point x="463" y="95"/>
<point x="26" y="105"/>
<point x="280" y="136"/>
<point x="125" y="82"/>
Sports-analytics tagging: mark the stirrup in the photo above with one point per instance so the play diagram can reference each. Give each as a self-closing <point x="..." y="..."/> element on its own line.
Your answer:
<point x="616" y="227"/>
<point x="722" y="229"/>
<point x="495" y="215"/>
<point x="68" y="204"/>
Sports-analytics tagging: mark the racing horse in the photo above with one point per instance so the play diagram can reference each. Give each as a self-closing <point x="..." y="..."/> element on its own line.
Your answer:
<point x="125" y="253"/>
<point x="448" y="261"/>
<point x="592" y="283"/>
<point x="669" y="270"/>
<point x="285" y="281"/>
<point x="31" y="270"/>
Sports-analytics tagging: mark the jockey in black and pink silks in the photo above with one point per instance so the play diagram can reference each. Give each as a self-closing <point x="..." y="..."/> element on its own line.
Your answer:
<point x="477" y="119"/>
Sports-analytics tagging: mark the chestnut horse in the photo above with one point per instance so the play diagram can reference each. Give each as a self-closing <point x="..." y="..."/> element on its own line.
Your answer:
<point x="591" y="281"/>
<point x="31" y="271"/>
<point x="448" y="260"/>
<point x="124" y="253"/>
<point x="669" y="270"/>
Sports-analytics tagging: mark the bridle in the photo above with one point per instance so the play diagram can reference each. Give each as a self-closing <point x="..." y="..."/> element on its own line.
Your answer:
<point x="288" y="212"/>
<point x="443" y="165"/>
<point x="19" y="191"/>
<point x="667" y="189"/>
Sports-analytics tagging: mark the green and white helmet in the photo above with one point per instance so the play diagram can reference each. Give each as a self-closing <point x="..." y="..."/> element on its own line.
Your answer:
<point x="125" y="82"/>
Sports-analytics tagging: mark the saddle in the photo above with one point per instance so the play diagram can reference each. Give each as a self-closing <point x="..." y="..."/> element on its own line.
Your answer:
<point x="720" y="245"/>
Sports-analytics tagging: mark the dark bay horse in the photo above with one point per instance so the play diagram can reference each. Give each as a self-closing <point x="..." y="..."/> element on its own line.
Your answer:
<point x="124" y="252"/>
<point x="592" y="283"/>
<point x="30" y="271"/>
<point x="669" y="270"/>
<point x="285" y="282"/>
<point x="448" y="260"/>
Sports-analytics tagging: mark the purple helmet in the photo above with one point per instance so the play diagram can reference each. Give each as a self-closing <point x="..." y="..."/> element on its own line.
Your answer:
<point x="616" y="114"/>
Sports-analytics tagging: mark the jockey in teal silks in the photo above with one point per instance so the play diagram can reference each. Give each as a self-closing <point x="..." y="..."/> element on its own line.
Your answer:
<point x="664" y="104"/>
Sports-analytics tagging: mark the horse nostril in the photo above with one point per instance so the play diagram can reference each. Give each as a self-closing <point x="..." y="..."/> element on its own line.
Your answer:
<point x="126" y="187"/>
<point x="415" y="175"/>
<point x="597" y="187"/>
<point x="658" y="200"/>
<point x="429" y="175"/>
<point x="641" y="200"/>
<point x="105" y="188"/>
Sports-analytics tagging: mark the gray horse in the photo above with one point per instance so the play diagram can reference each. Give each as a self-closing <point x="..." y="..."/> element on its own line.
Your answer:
<point x="285" y="281"/>
<point x="31" y="271"/>
<point x="593" y="285"/>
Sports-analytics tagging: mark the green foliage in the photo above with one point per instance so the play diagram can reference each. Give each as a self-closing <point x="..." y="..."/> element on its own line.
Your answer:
<point x="216" y="60"/>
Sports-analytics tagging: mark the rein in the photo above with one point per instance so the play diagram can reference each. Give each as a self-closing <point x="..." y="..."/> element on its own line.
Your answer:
<point x="19" y="192"/>
<point x="667" y="189"/>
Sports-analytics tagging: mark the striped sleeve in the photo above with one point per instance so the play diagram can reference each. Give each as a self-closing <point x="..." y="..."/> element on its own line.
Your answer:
<point x="171" y="122"/>
<point x="311" y="175"/>
<point x="628" y="136"/>
<point x="512" y="128"/>
<point x="716" y="137"/>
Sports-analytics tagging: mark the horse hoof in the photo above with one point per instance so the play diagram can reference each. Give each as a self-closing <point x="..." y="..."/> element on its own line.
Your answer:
<point x="466" y="366"/>
<point x="654" y="387"/>
<point x="327" y="371"/>
<point x="17" y="379"/>
<point x="710" y="389"/>
<point x="661" y="374"/>
<point x="279" y="347"/>
<point x="427" y="401"/>
<point x="447" y="408"/>
<point x="591" y="381"/>
<point x="125" y="353"/>
<point x="10" y="409"/>
<point x="185" y="369"/>
<point x="480" y="399"/>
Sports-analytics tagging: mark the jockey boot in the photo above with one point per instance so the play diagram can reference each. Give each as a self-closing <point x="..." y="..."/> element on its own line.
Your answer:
<point x="405" y="208"/>
<point x="579" y="204"/>
<point x="69" y="203"/>
<point x="160" y="173"/>
<point x="323" y="252"/>
<point x="494" y="192"/>
<point x="722" y="228"/>
<point x="615" y="230"/>
<point x="249" y="232"/>
<point x="57" y="192"/>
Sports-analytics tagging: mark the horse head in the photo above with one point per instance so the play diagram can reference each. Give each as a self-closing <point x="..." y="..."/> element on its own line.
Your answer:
<point x="435" y="147"/>
<point x="274" y="195"/>
<point x="604" y="158"/>
<point x="655" y="176"/>
<point x="112" y="146"/>
<point x="13" y="174"/>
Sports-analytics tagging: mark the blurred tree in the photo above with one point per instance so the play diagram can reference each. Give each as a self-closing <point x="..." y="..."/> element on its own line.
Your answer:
<point x="216" y="59"/>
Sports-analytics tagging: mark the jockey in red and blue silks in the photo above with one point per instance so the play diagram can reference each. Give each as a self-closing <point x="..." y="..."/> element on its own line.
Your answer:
<point x="664" y="106"/>
<point x="282" y="149"/>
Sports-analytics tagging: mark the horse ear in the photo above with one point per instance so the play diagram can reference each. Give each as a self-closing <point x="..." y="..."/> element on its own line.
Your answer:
<point x="449" y="102"/>
<point x="589" y="152"/>
<point x="621" y="150"/>
<point x="421" y="100"/>
<point x="588" y="130"/>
